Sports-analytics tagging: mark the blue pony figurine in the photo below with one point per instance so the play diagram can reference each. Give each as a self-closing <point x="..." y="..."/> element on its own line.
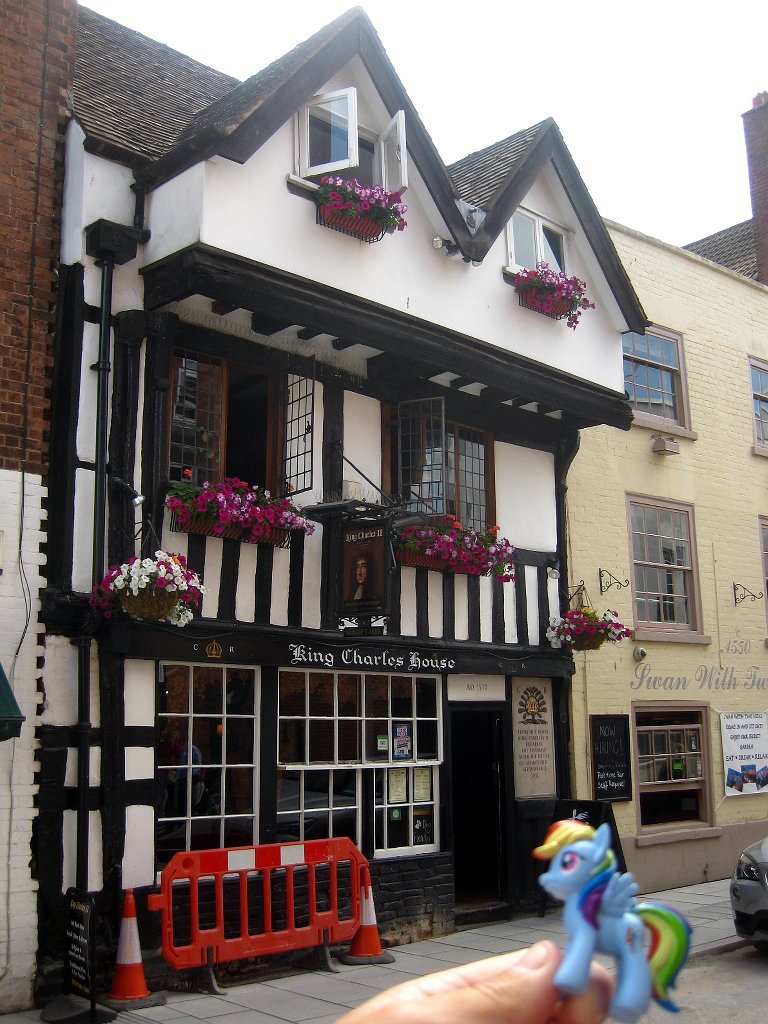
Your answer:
<point x="601" y="916"/>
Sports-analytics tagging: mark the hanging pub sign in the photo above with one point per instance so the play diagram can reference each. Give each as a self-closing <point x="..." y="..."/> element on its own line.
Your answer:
<point x="364" y="570"/>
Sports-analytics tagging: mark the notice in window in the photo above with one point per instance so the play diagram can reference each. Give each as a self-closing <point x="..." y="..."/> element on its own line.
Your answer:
<point x="745" y="752"/>
<point x="398" y="785"/>
<point x="402" y="741"/>
<point x="534" y="743"/>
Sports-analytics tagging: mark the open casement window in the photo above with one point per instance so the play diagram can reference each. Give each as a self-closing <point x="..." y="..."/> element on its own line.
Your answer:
<point x="672" y="766"/>
<point x="332" y="140"/>
<point x="443" y="467"/>
<point x="230" y="420"/>
<point x="533" y="240"/>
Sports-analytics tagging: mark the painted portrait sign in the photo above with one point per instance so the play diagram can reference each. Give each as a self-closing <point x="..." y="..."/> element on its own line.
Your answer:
<point x="364" y="570"/>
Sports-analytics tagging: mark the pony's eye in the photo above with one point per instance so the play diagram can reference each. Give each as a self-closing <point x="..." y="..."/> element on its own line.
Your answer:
<point x="569" y="861"/>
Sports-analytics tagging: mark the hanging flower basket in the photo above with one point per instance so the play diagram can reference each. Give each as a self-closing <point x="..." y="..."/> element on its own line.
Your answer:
<point x="274" y="535"/>
<point x="148" y="604"/>
<point x="588" y="641"/>
<point x="582" y="629"/>
<point x="364" y="228"/>
<point x="150" y="588"/>
<point x="420" y="561"/>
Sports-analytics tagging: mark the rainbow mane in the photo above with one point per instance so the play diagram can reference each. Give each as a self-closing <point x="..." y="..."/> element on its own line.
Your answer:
<point x="561" y="834"/>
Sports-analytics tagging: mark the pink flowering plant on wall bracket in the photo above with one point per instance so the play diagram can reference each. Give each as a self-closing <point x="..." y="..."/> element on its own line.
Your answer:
<point x="367" y="212"/>
<point x="582" y="629"/>
<point x="448" y="546"/>
<point x="550" y="292"/>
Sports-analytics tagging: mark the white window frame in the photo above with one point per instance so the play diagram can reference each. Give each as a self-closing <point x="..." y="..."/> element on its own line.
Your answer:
<point x="409" y="806"/>
<point x="392" y="135"/>
<point x="539" y="223"/>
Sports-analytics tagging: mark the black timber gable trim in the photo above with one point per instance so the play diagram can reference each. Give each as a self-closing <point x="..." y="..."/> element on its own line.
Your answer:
<point x="202" y="270"/>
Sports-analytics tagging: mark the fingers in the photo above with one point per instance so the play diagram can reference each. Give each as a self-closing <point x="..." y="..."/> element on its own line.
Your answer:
<point x="516" y="988"/>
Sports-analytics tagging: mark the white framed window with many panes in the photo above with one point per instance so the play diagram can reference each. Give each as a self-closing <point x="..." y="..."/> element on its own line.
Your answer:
<point x="533" y="239"/>
<point x="672" y="764"/>
<point x="654" y="379"/>
<point x="665" y="584"/>
<point x="206" y="778"/>
<point x="347" y="740"/>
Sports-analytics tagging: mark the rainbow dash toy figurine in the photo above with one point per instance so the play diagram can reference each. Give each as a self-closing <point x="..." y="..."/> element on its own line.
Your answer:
<point x="601" y="916"/>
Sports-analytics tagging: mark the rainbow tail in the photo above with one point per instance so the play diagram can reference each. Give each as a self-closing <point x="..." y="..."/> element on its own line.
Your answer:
<point x="671" y="940"/>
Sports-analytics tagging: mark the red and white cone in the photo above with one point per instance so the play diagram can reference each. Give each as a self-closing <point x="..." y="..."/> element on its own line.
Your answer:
<point x="366" y="945"/>
<point x="129" y="987"/>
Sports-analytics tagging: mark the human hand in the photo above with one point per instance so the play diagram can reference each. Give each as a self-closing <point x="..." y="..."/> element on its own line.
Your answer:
<point x="514" y="988"/>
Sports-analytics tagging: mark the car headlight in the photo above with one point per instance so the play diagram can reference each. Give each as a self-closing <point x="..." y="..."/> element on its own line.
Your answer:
<point x="747" y="869"/>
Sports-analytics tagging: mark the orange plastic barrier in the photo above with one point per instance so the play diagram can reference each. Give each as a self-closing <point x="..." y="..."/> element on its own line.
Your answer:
<point x="253" y="900"/>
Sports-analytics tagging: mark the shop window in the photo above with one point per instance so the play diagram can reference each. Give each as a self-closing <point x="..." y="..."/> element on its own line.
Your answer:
<point x="665" y="583"/>
<point x="229" y="420"/>
<point x="654" y="377"/>
<point x="672" y="766"/>
<point x="443" y="467"/>
<point x="344" y="736"/>
<point x="759" y="375"/>
<point x="533" y="240"/>
<point x="207" y="757"/>
<point x="331" y="139"/>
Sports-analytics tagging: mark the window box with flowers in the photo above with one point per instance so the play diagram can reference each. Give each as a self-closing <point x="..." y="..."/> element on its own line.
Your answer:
<point x="367" y="213"/>
<point x="552" y="293"/>
<point x="150" y="588"/>
<point x="582" y="629"/>
<point x="447" y="546"/>
<point x="234" y="509"/>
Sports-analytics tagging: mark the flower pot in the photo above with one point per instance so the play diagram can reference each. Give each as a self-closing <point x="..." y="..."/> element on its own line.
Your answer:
<point x="232" y="531"/>
<point x="588" y="641"/>
<point x="418" y="560"/>
<point x="531" y="298"/>
<point x="148" y="604"/>
<point x="359" y="226"/>
<point x="277" y="536"/>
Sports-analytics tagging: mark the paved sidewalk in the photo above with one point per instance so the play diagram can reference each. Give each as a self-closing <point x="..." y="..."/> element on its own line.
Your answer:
<point x="317" y="997"/>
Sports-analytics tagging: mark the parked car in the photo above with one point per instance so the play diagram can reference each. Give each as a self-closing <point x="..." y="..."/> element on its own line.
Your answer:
<point x="749" y="895"/>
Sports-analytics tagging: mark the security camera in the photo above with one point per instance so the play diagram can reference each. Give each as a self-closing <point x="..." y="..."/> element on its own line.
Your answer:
<point x="639" y="653"/>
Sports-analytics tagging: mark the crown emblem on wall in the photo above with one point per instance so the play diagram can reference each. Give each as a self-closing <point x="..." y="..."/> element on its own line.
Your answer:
<point x="214" y="649"/>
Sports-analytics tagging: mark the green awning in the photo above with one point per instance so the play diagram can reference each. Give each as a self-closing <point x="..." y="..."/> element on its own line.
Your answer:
<point x="10" y="713"/>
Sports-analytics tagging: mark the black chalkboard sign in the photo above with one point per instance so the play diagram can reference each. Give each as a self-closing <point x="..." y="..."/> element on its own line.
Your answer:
<point x="423" y="828"/>
<point x="611" y="769"/>
<point x="79" y="949"/>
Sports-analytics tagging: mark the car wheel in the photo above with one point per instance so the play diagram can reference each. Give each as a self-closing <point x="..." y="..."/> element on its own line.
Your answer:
<point x="761" y="947"/>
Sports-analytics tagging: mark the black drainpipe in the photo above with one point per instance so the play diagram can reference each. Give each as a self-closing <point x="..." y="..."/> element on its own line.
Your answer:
<point x="111" y="245"/>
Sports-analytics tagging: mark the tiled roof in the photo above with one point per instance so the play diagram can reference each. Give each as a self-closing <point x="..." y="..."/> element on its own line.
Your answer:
<point x="732" y="248"/>
<point x="134" y="93"/>
<point x="479" y="175"/>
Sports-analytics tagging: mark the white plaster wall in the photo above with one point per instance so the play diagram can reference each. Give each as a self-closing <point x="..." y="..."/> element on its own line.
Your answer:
<point x="174" y="213"/>
<point x="60" y="682"/>
<point x="362" y="442"/>
<point x="21" y="523"/>
<point x="525" y="496"/>
<point x="139" y="857"/>
<point x="139" y="682"/>
<point x="83" y="531"/>
<point x="95" y="859"/>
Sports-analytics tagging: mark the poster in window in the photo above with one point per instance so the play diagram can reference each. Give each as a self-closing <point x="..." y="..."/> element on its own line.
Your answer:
<point x="422" y="785"/>
<point x="402" y="741"/>
<point x="398" y="785"/>
<point x="745" y="752"/>
<point x="364" y="570"/>
<point x="534" y="738"/>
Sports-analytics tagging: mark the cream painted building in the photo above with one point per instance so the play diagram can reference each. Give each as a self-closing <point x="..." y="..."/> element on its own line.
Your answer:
<point x="676" y="511"/>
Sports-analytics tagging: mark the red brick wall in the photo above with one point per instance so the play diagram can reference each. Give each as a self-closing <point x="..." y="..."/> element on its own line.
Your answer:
<point x="756" y="133"/>
<point x="37" y="41"/>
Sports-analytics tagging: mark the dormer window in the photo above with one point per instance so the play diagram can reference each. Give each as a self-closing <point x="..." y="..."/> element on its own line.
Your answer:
<point x="331" y="139"/>
<point x="534" y="240"/>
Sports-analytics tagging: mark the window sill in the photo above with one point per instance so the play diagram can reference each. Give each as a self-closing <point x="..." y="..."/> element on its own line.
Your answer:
<point x="300" y="186"/>
<point x="760" y="450"/>
<point x="670" y="636"/>
<point x="650" y="422"/>
<point x="678" y="834"/>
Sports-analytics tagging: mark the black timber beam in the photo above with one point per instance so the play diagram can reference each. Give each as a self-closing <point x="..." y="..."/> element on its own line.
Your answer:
<point x="201" y="270"/>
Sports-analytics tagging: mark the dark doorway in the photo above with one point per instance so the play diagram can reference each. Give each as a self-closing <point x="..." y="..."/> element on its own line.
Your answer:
<point x="477" y="774"/>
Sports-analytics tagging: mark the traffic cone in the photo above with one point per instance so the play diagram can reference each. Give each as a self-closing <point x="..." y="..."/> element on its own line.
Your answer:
<point x="366" y="945"/>
<point x="129" y="987"/>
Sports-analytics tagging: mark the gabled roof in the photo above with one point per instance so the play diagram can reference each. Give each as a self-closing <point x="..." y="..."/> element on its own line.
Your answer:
<point x="732" y="248"/>
<point x="161" y="112"/>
